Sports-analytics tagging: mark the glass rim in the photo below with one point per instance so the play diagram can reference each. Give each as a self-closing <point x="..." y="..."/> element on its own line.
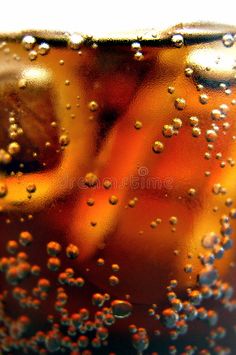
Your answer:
<point x="195" y="32"/>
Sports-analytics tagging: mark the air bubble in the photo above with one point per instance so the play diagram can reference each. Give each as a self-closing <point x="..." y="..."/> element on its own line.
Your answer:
<point x="90" y="179"/>
<point x="113" y="200"/>
<point x="3" y="189"/>
<point x="138" y="124"/>
<point x="180" y="104"/>
<point x="25" y="238"/>
<point x="167" y="131"/>
<point x="208" y="275"/>
<point x="228" y="40"/>
<point x="157" y="147"/>
<point x="53" y="248"/>
<point x="28" y="42"/>
<point x="43" y="48"/>
<point x="75" y="40"/>
<point x="121" y="309"/>
<point x="177" y="40"/>
<point x="72" y="251"/>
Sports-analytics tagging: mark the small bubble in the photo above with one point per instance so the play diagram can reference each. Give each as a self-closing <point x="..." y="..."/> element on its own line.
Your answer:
<point x="203" y="98"/>
<point x="12" y="246"/>
<point x="13" y="148"/>
<point x="138" y="56"/>
<point x="31" y="188"/>
<point x="173" y="220"/>
<point x="32" y="55"/>
<point x="43" y="48"/>
<point x="170" y="317"/>
<point x="100" y="262"/>
<point x="211" y="135"/>
<point x="167" y="131"/>
<point x="90" y="202"/>
<point x="228" y="40"/>
<point x="208" y="275"/>
<point x="188" y="268"/>
<point x="177" y="40"/>
<point x="113" y="200"/>
<point x="93" y="106"/>
<point x="98" y="299"/>
<point x="115" y="267"/>
<point x="138" y="124"/>
<point x="53" y="248"/>
<point x="121" y="309"/>
<point x="75" y="40"/>
<point x="188" y="72"/>
<point x="191" y="192"/>
<point x="216" y="115"/>
<point x="177" y="123"/>
<point x="44" y="285"/>
<point x="157" y="147"/>
<point x="107" y="184"/>
<point x="90" y="179"/>
<point x="53" y="263"/>
<point x="64" y="140"/>
<point x="22" y="83"/>
<point x="196" y="132"/>
<point x="180" y="103"/>
<point x="113" y="280"/>
<point x="25" y="238"/>
<point x="28" y="42"/>
<point x="136" y="46"/>
<point x="195" y="297"/>
<point x="171" y="89"/>
<point x="209" y="240"/>
<point x="153" y="224"/>
<point x="3" y="189"/>
<point x="72" y="251"/>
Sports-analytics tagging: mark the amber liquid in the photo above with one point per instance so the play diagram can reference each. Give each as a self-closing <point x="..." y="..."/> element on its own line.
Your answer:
<point x="117" y="190"/>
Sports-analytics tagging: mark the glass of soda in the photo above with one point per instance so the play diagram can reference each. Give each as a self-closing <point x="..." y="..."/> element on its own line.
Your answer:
<point x="117" y="192"/>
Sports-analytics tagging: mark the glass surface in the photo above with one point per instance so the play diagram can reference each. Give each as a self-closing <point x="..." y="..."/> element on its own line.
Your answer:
<point x="117" y="192"/>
